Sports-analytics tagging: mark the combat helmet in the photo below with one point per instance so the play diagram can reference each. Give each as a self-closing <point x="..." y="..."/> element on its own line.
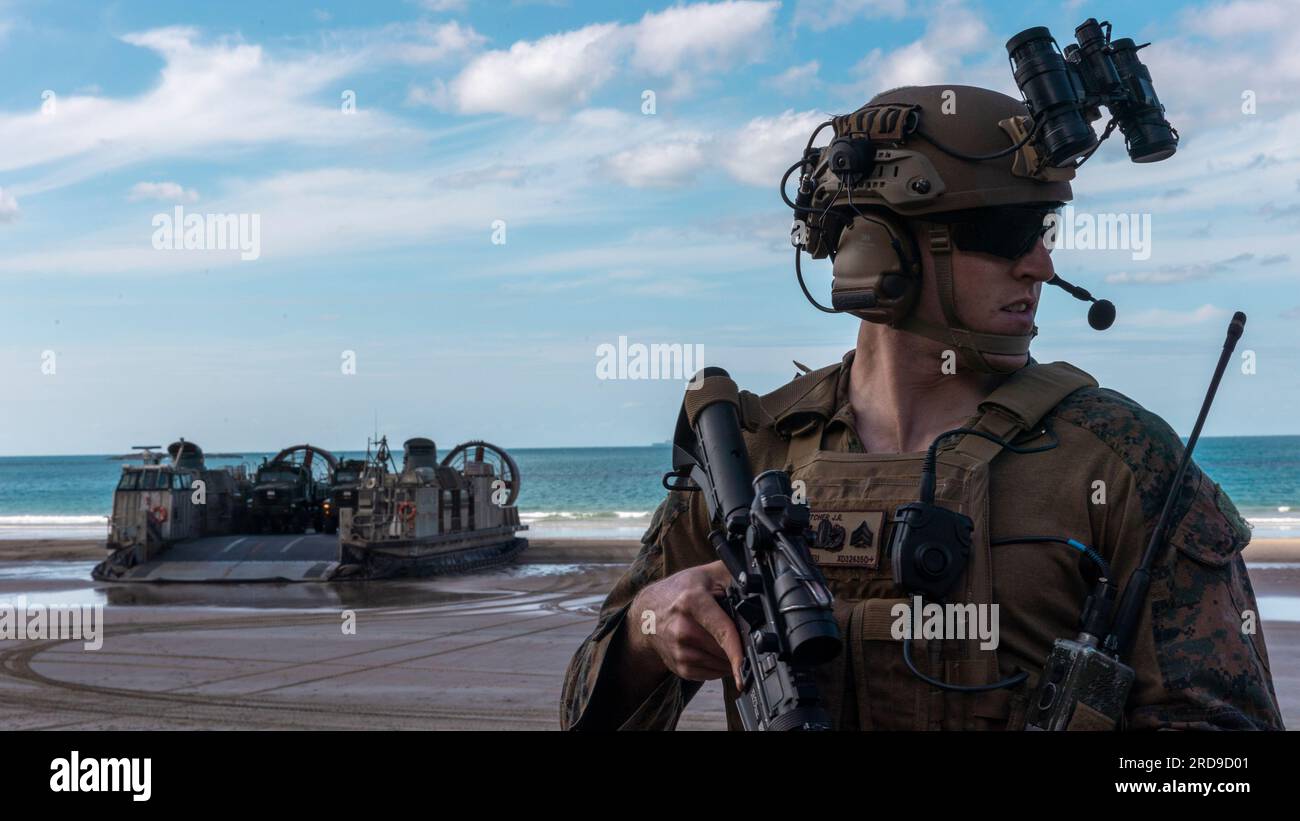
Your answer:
<point x="945" y="153"/>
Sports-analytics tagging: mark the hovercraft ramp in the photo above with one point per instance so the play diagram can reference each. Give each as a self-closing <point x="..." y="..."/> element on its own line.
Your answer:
<point x="308" y="557"/>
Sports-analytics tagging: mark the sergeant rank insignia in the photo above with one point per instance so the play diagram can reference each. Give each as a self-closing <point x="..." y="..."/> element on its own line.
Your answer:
<point x="848" y="537"/>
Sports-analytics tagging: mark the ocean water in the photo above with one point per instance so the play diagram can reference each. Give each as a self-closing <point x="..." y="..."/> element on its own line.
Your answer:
<point x="566" y="492"/>
<point x="594" y="492"/>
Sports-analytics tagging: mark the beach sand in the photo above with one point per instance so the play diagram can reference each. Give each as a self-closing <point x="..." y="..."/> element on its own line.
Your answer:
<point x="483" y="650"/>
<point x="51" y="550"/>
<point x="539" y="550"/>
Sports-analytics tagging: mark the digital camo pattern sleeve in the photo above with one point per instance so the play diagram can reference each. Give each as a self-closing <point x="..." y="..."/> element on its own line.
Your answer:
<point x="587" y="702"/>
<point x="1206" y="635"/>
<point x="1199" y="654"/>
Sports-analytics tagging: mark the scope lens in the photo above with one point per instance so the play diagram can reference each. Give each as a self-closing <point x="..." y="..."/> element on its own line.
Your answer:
<point x="814" y="642"/>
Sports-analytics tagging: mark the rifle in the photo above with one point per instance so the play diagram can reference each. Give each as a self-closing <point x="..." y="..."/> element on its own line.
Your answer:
<point x="777" y="597"/>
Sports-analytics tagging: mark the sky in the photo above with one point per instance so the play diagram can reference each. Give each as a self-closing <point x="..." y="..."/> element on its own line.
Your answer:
<point x="459" y="202"/>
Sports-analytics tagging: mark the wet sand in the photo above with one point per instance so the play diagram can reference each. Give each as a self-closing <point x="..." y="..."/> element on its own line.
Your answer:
<point x="485" y="650"/>
<point x="91" y="550"/>
<point x="44" y="550"/>
<point x="48" y="550"/>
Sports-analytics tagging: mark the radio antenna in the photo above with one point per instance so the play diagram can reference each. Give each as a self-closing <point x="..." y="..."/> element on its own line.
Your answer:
<point x="1135" y="592"/>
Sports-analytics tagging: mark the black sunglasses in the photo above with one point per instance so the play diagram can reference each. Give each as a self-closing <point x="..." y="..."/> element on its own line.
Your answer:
<point x="1006" y="231"/>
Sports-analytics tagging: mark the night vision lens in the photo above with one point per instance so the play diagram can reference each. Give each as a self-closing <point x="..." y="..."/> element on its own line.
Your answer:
<point x="1147" y="133"/>
<point x="1065" y="91"/>
<point x="1052" y="94"/>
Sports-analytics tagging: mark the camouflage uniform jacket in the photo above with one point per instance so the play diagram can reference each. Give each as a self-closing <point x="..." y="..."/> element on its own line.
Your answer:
<point x="1197" y="666"/>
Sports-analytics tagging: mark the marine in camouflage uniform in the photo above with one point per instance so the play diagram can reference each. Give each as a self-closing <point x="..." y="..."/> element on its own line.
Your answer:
<point x="1197" y="667"/>
<point x="1199" y="654"/>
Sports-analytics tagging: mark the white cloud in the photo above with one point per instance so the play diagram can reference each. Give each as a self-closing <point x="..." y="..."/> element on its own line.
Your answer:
<point x="444" y="5"/>
<point x="8" y="207"/>
<point x="494" y="173"/>
<point x="541" y="78"/>
<point x="952" y="33"/>
<point x="447" y="198"/>
<point x="1172" y="274"/>
<point x="761" y="150"/>
<point x="604" y="119"/>
<point x="704" y="37"/>
<point x="167" y="191"/>
<point x="209" y="96"/>
<point x="1259" y="156"/>
<point x="546" y="77"/>
<point x="960" y="29"/>
<point x="658" y="165"/>
<point x="912" y="65"/>
<point x="417" y="42"/>
<point x="669" y="254"/>
<point x="312" y="213"/>
<point x="820" y="15"/>
<point x="1213" y="35"/>
<point x="423" y="42"/>
<point x="1230" y="20"/>
<point x="796" y="79"/>
<point x="434" y="95"/>
<point x="755" y="153"/>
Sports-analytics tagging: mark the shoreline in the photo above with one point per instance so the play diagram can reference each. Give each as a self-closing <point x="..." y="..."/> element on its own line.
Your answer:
<point x="539" y="551"/>
<point x="545" y="550"/>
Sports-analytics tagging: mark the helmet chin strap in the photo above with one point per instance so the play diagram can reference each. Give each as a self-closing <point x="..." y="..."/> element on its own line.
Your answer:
<point x="971" y="347"/>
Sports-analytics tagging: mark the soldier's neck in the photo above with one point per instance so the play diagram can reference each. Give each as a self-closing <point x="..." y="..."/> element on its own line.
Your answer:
<point x="901" y="394"/>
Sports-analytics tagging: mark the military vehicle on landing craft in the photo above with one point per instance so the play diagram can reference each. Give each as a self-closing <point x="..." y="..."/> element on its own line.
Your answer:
<point x="290" y="491"/>
<point x="344" y="481"/>
<point x="432" y="516"/>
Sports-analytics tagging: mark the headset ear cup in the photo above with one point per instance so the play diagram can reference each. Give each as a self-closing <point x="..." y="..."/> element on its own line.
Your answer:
<point x="875" y="277"/>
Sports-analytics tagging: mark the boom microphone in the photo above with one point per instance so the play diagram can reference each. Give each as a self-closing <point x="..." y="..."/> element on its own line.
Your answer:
<point x="1102" y="313"/>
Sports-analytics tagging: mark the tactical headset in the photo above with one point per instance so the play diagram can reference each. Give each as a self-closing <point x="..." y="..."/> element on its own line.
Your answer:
<point x="880" y="156"/>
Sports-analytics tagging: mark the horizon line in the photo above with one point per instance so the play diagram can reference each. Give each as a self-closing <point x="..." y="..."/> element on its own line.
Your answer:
<point x="663" y="443"/>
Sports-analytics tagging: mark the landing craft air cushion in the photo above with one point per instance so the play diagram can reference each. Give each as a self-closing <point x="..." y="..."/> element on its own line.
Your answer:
<point x="428" y="517"/>
<point x="432" y="516"/>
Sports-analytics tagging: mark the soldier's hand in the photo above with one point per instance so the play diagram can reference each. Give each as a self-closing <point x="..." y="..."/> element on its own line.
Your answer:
<point x="692" y="635"/>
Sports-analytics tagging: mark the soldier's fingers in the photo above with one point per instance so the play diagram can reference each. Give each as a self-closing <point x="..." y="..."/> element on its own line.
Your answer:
<point x="713" y="618"/>
<point x="694" y="665"/>
<point x="692" y="635"/>
<point x="718" y="574"/>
